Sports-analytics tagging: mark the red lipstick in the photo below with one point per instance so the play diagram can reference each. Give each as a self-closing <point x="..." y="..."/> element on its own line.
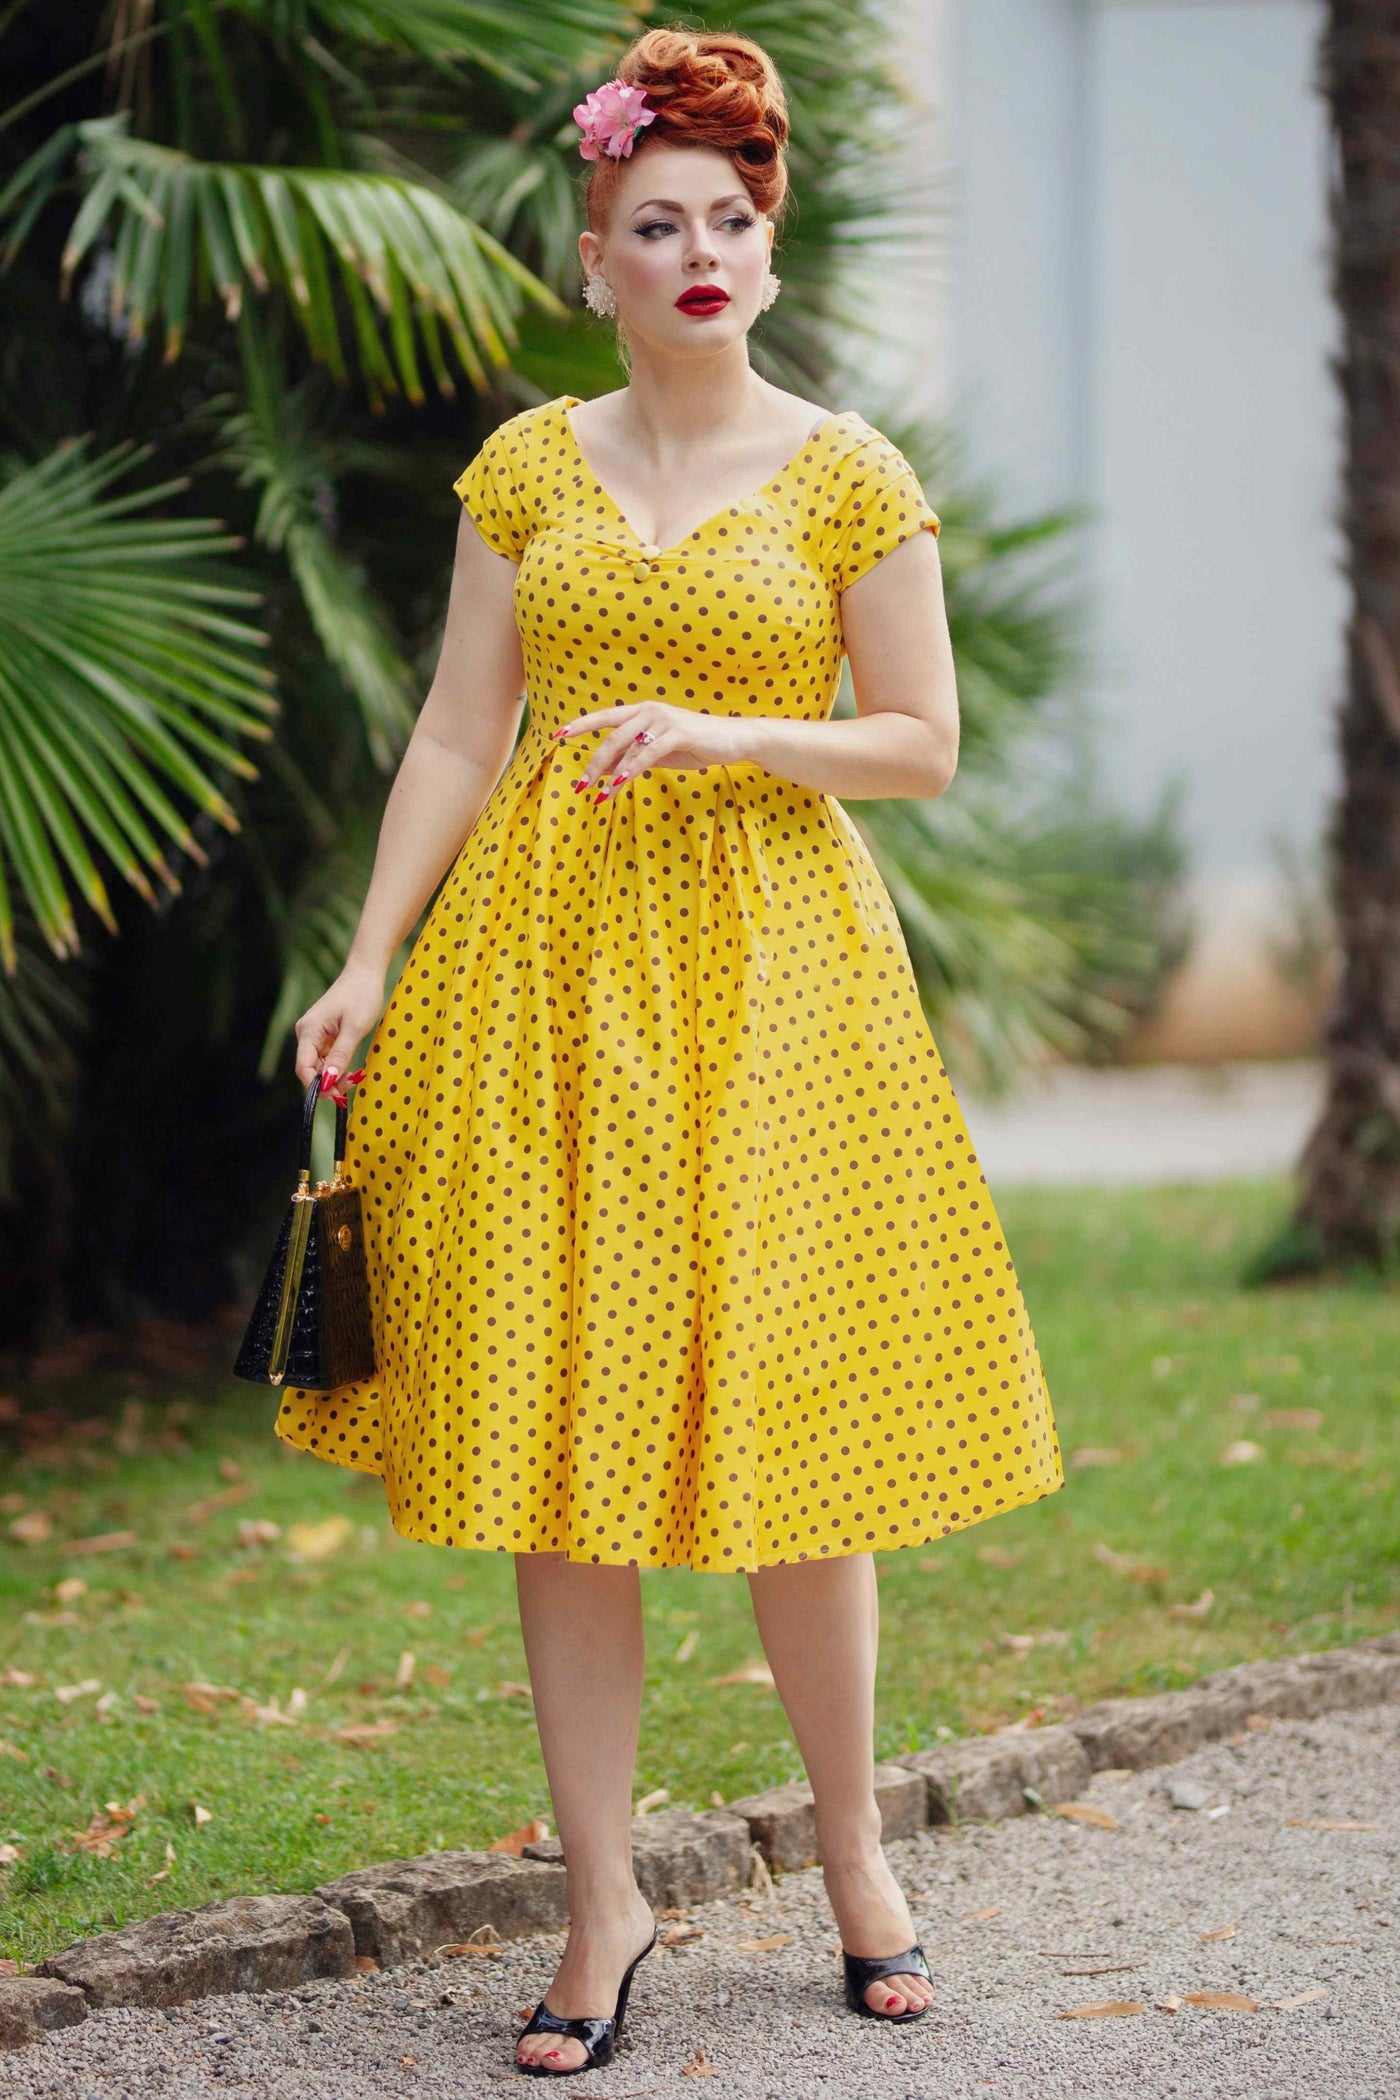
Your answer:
<point x="702" y="299"/>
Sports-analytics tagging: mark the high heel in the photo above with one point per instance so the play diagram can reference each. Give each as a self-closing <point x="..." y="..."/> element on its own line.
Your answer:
<point x="862" y="1970"/>
<point x="597" y="2033"/>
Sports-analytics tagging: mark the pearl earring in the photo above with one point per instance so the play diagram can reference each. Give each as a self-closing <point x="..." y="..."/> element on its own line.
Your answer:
<point x="599" y="298"/>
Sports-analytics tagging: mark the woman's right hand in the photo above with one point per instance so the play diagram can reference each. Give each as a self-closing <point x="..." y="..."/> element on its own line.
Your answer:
<point x="328" y="1032"/>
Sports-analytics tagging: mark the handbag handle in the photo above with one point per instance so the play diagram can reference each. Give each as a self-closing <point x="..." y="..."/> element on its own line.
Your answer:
<point x="308" y="1119"/>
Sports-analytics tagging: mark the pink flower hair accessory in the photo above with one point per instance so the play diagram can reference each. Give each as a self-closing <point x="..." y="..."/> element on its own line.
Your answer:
<point x="610" y="119"/>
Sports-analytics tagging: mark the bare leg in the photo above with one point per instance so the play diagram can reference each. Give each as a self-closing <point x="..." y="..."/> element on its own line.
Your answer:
<point x="583" y="1642"/>
<point x="819" y="1621"/>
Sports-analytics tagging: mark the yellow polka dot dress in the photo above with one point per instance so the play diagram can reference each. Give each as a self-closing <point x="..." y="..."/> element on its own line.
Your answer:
<point x="679" y="1252"/>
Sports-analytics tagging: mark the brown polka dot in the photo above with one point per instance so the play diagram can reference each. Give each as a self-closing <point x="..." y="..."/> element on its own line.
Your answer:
<point x="679" y="1252"/>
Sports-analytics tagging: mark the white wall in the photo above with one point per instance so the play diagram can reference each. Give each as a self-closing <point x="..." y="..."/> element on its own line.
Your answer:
<point x="1128" y="306"/>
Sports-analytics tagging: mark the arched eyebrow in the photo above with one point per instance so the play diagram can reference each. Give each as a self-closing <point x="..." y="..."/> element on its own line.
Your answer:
<point x="671" y="204"/>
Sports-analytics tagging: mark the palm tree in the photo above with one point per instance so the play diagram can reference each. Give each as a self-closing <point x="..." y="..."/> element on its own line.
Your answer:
<point x="267" y="268"/>
<point x="1349" y="1207"/>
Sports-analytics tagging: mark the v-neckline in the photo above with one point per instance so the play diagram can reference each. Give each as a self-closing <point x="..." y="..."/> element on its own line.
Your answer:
<point x="649" y="547"/>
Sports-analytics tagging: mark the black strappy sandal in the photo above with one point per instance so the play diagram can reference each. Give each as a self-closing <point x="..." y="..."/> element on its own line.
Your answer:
<point x="597" y="2033"/>
<point x="862" y="1970"/>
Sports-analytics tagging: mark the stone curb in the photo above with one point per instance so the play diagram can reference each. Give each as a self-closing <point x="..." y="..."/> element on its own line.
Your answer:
<point x="409" y="1909"/>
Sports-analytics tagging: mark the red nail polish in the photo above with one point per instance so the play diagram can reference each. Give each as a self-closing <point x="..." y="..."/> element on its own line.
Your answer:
<point x="616" y="777"/>
<point x="601" y="796"/>
<point x="579" y="784"/>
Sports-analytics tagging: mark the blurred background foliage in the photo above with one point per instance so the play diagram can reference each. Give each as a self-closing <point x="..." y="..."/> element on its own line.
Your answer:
<point x="271" y="270"/>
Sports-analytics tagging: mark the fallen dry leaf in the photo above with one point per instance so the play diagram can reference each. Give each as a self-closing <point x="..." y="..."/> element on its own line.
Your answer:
<point x="13" y="1750"/>
<point x="418" y="1610"/>
<point x="1327" y="1823"/>
<point x="269" y="1715"/>
<point x="1103" y="1968"/>
<point x="9" y="1854"/>
<point x="652" y="1800"/>
<point x="699" y="2065"/>
<point x="105" y="1542"/>
<point x="677" y="1935"/>
<point x="107" y="1827"/>
<point x="1086" y="1812"/>
<point x="403" y="1676"/>
<point x="929" y="1564"/>
<point x="1197" y="1610"/>
<point x="1241" y="1453"/>
<point x="1124" y="1564"/>
<point x="179" y="1551"/>
<point x="485" y="1940"/>
<point x="510" y="1689"/>
<point x="1167" y="2004"/>
<point x="258" y="1531"/>
<point x="766" y="1946"/>
<point x="436" y="1675"/>
<point x="297" y="1702"/>
<point x="319" y="1541"/>
<point x="751" y="1673"/>
<point x="1109" y="2009"/>
<point x="201" y="1814"/>
<point x="515" y="1841"/>
<point x="33" y="1528"/>
<point x="1219" y="1932"/>
<point x="70" y="1589"/>
<point x="1095" y="1455"/>
<point x="66" y="1693"/>
<point x="1223" y="2001"/>
<point x="1000" y="1556"/>
<point x="993" y="1912"/>
<point x="367" y="1731"/>
<point x="365" y="1965"/>
<point x="336" y="1665"/>
<point x="688" y="1645"/>
<point x="20" y="1679"/>
<point x="1312" y="1997"/>
<point x="1292" y="1417"/>
<point x="229" y="1469"/>
<point x="201" y="1512"/>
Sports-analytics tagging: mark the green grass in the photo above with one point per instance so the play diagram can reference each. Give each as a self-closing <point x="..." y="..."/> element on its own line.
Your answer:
<point x="1150" y="1350"/>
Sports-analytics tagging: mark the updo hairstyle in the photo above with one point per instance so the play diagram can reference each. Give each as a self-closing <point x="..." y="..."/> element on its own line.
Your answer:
<point x="709" y="89"/>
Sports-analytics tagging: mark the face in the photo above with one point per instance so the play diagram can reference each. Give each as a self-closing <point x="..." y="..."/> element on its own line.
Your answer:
<point x="682" y="219"/>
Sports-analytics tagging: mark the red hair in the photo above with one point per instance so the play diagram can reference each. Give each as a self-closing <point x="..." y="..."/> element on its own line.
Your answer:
<point x="714" y="89"/>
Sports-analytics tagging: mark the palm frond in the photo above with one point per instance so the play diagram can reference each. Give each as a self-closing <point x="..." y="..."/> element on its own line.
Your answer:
<point x="522" y="45"/>
<point x="273" y="446"/>
<point x="387" y="264"/>
<point x="44" y="1013"/>
<point x="125" y="674"/>
<point x="317" y="923"/>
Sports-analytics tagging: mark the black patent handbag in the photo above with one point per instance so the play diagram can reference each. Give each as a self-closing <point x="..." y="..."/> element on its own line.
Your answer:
<point x="311" y="1324"/>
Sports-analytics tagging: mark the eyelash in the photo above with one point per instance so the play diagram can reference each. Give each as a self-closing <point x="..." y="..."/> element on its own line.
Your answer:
<point x="736" y="219"/>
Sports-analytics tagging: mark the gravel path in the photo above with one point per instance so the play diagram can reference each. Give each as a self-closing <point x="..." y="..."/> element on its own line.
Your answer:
<point x="1004" y="1914"/>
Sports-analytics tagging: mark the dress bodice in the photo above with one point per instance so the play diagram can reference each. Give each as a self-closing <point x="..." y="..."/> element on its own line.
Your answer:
<point x="740" y="616"/>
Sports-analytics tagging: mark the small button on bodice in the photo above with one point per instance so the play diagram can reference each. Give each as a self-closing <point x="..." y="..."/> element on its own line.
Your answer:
<point x="648" y="564"/>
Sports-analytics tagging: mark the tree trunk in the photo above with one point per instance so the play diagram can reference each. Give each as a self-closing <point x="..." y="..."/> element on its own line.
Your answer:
<point x="1349" y="1207"/>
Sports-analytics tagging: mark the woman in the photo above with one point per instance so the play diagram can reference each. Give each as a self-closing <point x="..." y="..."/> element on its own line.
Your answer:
<point x="678" y="1250"/>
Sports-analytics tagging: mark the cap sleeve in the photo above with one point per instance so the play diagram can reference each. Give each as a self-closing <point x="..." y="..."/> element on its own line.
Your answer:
<point x="881" y="503"/>
<point x="492" y="490"/>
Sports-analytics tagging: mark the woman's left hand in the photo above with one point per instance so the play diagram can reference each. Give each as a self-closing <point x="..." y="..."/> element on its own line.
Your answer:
<point x="675" y="736"/>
